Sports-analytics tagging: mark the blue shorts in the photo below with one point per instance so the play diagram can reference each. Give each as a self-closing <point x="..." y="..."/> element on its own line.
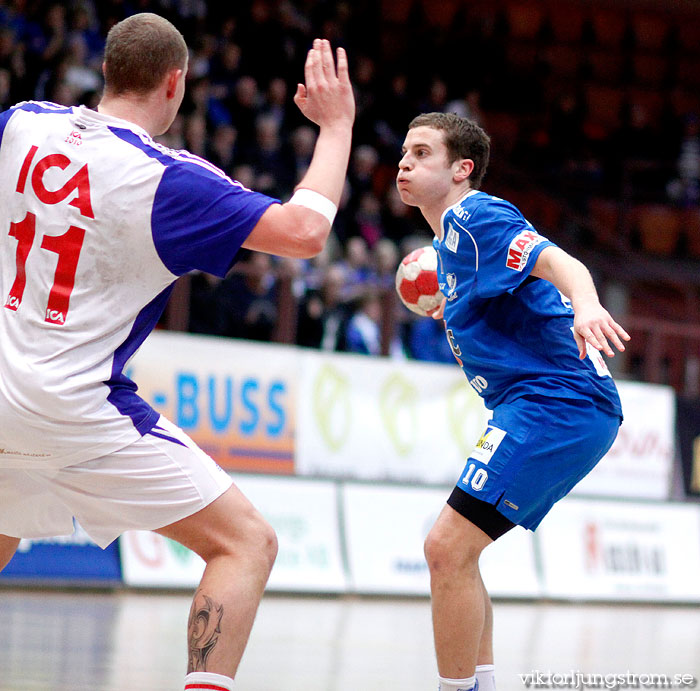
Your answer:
<point x="533" y="452"/>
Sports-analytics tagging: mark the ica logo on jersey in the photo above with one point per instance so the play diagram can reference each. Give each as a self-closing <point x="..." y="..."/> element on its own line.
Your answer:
<point x="74" y="138"/>
<point x="66" y="246"/>
<point x="79" y="182"/>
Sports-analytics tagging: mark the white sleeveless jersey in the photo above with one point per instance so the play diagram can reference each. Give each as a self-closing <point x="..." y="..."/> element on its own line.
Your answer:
<point x="96" y="223"/>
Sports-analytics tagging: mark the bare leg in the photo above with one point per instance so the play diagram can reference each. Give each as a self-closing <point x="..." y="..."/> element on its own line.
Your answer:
<point x="460" y="604"/>
<point x="239" y="548"/>
<point x="485" y="655"/>
<point x="8" y="547"/>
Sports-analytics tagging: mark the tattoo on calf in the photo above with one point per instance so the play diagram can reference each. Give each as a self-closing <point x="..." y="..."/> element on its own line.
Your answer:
<point x="203" y="629"/>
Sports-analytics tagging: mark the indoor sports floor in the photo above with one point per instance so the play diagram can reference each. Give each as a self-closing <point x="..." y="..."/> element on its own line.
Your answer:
<point x="135" y="641"/>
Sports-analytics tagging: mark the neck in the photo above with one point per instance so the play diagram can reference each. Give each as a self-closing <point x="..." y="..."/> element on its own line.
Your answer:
<point x="134" y="109"/>
<point x="433" y="212"/>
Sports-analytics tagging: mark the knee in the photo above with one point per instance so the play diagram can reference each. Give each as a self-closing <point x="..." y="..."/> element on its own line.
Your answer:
<point x="260" y="541"/>
<point x="267" y="544"/>
<point x="248" y="538"/>
<point x="446" y="554"/>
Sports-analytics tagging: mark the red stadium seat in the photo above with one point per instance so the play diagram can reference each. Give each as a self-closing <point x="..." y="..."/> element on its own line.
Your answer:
<point x="567" y="21"/>
<point x="688" y="30"/>
<point x="604" y="105"/>
<point x="607" y="65"/>
<point x="609" y="25"/>
<point x="441" y="12"/>
<point x="524" y="19"/>
<point x="659" y="228"/>
<point x="650" y="29"/>
<point x="564" y="60"/>
<point x="605" y="221"/>
<point x="690" y="219"/>
<point x="650" y="69"/>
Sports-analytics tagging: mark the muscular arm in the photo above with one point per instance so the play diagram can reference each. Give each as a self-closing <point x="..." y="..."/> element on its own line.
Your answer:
<point x="592" y="323"/>
<point x="293" y="230"/>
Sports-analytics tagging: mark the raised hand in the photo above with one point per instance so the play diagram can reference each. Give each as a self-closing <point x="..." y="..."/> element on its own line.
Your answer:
<point x="327" y="98"/>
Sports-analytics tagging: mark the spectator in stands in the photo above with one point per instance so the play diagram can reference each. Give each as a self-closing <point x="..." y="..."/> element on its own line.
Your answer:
<point x="247" y="300"/>
<point x="634" y="154"/>
<point x="366" y="94"/>
<point x="684" y="189"/>
<point x="368" y="219"/>
<point x="357" y="267"/>
<point x="468" y="106"/>
<point x="79" y="75"/>
<point x="363" y="166"/>
<point x="84" y="27"/>
<point x="224" y="71"/>
<point x="364" y="334"/>
<point x="5" y="89"/>
<point x="244" y="106"/>
<point x="12" y="60"/>
<point x="276" y="105"/>
<point x="323" y="314"/>
<point x="303" y="140"/>
<point x="195" y="133"/>
<point x="270" y="158"/>
<point x="221" y="150"/>
<point x="204" y="308"/>
<point x="397" y="218"/>
<point x="385" y="258"/>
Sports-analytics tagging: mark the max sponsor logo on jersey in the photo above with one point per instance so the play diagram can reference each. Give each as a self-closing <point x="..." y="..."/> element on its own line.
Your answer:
<point x="520" y="247"/>
<point x="488" y="443"/>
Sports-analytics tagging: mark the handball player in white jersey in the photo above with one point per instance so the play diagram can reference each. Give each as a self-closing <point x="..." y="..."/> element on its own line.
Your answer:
<point x="96" y="223"/>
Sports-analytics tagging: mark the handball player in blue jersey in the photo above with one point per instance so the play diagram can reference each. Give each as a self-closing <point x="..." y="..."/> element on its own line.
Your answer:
<point x="524" y="322"/>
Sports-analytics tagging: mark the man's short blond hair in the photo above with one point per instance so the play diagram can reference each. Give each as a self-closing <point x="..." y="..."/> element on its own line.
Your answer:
<point x="140" y="51"/>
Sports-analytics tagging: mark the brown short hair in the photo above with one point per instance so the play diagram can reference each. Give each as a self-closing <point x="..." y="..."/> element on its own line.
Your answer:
<point x="463" y="139"/>
<point x="140" y="51"/>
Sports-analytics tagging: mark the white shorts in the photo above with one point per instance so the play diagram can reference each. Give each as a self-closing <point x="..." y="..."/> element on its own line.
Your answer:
<point x="155" y="481"/>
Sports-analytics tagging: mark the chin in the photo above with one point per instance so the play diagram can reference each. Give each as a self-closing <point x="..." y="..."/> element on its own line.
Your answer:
<point x="406" y="197"/>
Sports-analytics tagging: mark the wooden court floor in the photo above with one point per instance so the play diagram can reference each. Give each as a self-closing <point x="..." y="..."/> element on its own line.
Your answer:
<point x="135" y="641"/>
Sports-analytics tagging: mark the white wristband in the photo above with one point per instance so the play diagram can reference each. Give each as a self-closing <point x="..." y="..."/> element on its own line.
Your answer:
<point x="316" y="202"/>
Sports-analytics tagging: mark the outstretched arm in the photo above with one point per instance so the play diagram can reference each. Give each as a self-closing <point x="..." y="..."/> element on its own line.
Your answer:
<point x="592" y="323"/>
<point x="294" y="229"/>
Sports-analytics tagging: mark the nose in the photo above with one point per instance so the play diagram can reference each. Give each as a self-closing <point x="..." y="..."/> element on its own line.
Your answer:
<point x="404" y="163"/>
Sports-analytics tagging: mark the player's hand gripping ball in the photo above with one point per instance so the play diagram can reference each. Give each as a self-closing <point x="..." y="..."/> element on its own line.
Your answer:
<point x="417" y="281"/>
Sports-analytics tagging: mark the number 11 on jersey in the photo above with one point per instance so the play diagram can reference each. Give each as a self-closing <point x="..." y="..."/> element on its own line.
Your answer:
<point x="67" y="246"/>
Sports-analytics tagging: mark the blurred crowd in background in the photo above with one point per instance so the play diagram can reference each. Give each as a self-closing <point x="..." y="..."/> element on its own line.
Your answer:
<point x="584" y="110"/>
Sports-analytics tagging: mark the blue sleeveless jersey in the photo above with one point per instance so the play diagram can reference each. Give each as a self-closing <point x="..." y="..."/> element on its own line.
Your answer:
<point x="511" y="331"/>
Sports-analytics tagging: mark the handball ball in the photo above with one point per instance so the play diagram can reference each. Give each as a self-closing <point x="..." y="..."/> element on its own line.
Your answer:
<point x="417" y="281"/>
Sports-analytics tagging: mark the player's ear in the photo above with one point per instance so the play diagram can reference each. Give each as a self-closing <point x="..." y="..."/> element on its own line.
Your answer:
<point x="172" y="79"/>
<point x="463" y="169"/>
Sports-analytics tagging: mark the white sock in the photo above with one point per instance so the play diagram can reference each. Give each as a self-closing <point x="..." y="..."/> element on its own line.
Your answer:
<point x="486" y="676"/>
<point x="456" y="684"/>
<point x="207" y="681"/>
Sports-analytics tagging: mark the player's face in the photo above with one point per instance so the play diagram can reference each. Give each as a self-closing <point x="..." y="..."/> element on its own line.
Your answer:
<point x="424" y="174"/>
